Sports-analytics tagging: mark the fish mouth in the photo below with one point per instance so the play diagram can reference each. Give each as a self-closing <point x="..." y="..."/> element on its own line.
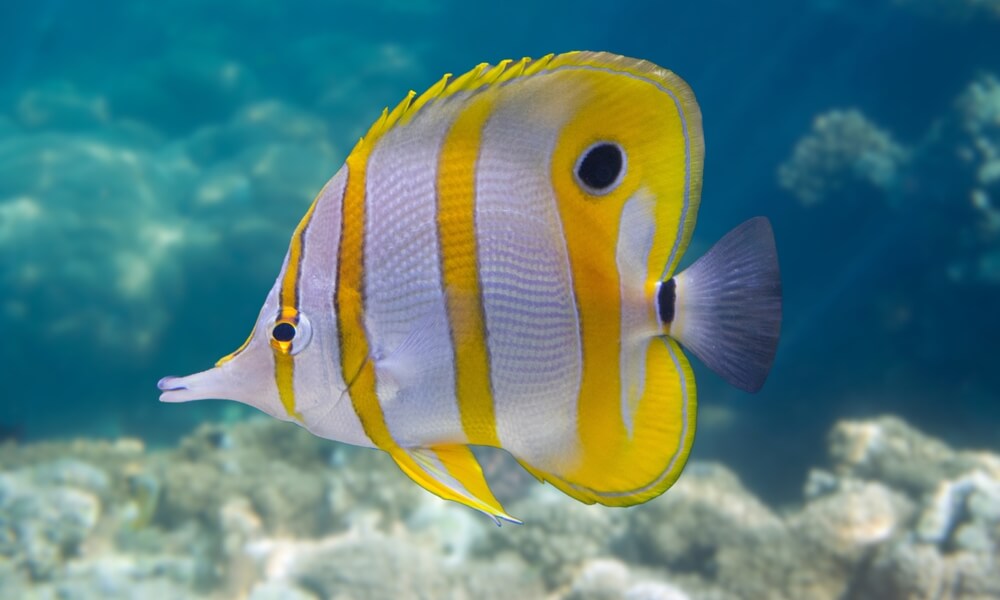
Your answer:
<point x="170" y="384"/>
<point x="199" y="386"/>
<point x="174" y="389"/>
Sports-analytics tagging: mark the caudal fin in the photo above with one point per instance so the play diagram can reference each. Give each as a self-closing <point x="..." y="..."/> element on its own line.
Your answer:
<point x="727" y="305"/>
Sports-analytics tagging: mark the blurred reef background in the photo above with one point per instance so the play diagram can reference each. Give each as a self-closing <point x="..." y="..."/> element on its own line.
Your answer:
<point x="155" y="158"/>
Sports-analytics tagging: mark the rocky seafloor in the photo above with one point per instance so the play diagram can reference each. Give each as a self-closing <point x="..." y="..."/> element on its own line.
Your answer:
<point x="263" y="510"/>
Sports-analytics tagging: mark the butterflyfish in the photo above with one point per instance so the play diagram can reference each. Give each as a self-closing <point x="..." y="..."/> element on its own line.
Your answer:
<point x="494" y="265"/>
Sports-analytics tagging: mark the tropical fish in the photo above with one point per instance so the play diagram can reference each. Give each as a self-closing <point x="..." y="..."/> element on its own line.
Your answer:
<point x="494" y="265"/>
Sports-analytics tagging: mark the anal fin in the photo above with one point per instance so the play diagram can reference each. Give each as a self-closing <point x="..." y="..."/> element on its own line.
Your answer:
<point x="453" y="473"/>
<point x="618" y="467"/>
<point x="563" y="486"/>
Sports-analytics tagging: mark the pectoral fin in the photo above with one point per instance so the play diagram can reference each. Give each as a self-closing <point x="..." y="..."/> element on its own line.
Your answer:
<point x="453" y="473"/>
<point x="423" y="350"/>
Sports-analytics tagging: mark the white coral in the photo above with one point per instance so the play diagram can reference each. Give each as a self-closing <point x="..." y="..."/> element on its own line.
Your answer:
<point x="844" y="148"/>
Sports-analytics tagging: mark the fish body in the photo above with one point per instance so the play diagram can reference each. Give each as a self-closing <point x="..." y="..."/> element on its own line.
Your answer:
<point x="494" y="265"/>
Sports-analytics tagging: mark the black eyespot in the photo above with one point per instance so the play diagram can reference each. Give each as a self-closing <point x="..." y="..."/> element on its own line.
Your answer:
<point x="601" y="167"/>
<point x="283" y="332"/>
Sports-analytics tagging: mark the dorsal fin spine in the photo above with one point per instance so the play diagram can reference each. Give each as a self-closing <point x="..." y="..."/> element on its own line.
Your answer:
<point x="463" y="80"/>
<point x="504" y="71"/>
<point x="480" y="76"/>
<point x="433" y="92"/>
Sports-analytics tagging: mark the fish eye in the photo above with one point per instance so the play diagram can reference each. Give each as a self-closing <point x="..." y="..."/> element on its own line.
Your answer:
<point x="291" y="337"/>
<point x="283" y="332"/>
<point x="600" y="168"/>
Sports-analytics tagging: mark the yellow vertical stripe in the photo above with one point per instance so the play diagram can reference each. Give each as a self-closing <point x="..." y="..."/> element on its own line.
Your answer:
<point x="587" y="227"/>
<point x="360" y="369"/>
<point x="456" y="223"/>
<point x="288" y="299"/>
<point x="284" y="376"/>
<point x="288" y="310"/>
<point x="635" y="113"/>
<point x="349" y="300"/>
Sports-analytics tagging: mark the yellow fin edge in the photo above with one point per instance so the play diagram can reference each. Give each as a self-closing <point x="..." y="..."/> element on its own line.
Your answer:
<point x="451" y="472"/>
<point x="484" y="74"/>
<point x="646" y="491"/>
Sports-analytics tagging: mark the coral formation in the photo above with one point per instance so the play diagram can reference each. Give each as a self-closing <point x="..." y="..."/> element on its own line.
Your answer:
<point x="843" y="149"/>
<point x="957" y="159"/>
<point x="263" y="510"/>
<point x="121" y="220"/>
<point x="130" y="195"/>
<point x="49" y="186"/>
<point x="565" y="534"/>
<point x="979" y="147"/>
<point x="121" y="195"/>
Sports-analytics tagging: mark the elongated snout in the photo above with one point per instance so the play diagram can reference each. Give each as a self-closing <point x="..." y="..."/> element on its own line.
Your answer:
<point x="205" y="385"/>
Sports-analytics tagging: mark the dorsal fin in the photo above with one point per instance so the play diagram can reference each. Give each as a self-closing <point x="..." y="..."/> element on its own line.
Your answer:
<point x="480" y="76"/>
<point x="485" y="74"/>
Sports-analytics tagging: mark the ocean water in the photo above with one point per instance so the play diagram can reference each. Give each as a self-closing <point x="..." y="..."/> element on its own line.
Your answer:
<point x="155" y="158"/>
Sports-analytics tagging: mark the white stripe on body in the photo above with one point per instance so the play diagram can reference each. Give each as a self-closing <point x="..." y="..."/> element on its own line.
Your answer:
<point x="530" y="312"/>
<point x="319" y="383"/>
<point x="403" y="295"/>
<point x="638" y="326"/>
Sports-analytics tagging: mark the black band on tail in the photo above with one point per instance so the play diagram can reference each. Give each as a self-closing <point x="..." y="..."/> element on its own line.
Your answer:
<point x="666" y="298"/>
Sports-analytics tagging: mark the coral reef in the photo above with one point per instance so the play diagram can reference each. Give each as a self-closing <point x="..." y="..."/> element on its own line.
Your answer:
<point x="50" y="184"/>
<point x="892" y="255"/>
<point x="121" y="195"/>
<point x="122" y="221"/>
<point x="565" y="534"/>
<point x="843" y="149"/>
<point x="263" y="510"/>
<point x="978" y="125"/>
<point x="958" y="158"/>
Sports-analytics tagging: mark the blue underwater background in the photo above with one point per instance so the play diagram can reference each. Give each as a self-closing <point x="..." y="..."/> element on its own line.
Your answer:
<point x="155" y="158"/>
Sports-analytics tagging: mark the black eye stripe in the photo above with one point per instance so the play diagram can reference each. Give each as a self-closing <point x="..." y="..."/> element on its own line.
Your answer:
<point x="283" y="332"/>
<point x="600" y="167"/>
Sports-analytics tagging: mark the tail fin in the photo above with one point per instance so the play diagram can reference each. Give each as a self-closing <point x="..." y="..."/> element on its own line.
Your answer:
<point x="727" y="305"/>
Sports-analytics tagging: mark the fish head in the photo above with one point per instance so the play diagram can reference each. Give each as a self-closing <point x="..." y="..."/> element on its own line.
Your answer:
<point x="250" y="374"/>
<point x="290" y="361"/>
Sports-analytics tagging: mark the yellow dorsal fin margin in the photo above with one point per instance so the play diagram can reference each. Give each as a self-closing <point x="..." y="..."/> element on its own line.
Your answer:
<point x="484" y="75"/>
<point x="480" y="76"/>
